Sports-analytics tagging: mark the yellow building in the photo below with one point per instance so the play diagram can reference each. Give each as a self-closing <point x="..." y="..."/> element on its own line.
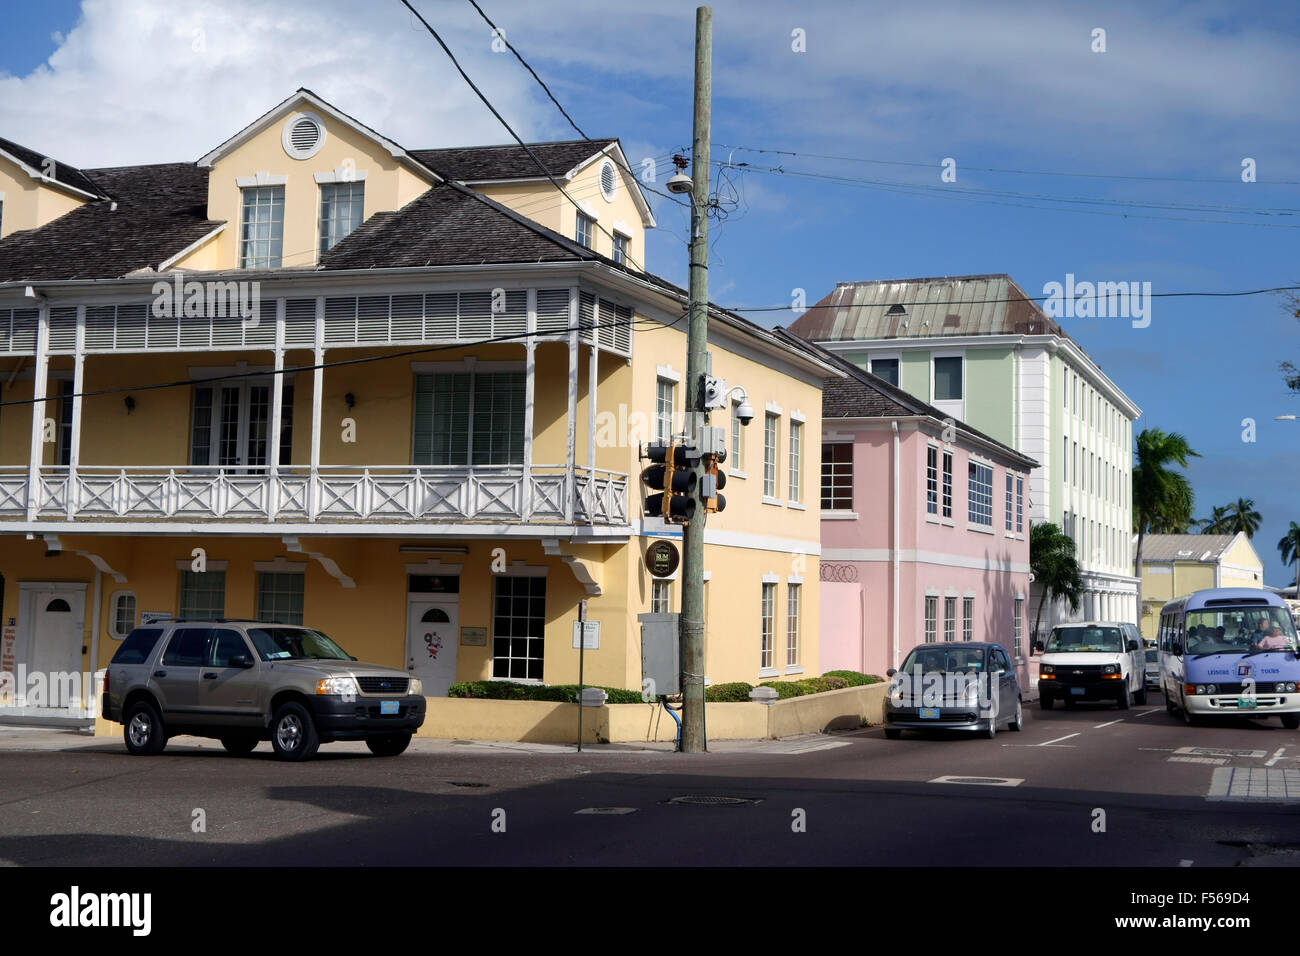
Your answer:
<point x="1177" y="564"/>
<point x="395" y="394"/>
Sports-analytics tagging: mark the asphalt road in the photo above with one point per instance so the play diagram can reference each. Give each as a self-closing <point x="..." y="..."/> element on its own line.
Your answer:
<point x="1086" y="786"/>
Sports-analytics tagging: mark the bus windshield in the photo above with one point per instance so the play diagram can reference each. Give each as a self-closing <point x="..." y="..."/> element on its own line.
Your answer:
<point x="1082" y="638"/>
<point x="1239" y="630"/>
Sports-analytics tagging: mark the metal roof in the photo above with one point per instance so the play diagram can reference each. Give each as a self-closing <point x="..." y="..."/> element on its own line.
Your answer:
<point x="1185" y="547"/>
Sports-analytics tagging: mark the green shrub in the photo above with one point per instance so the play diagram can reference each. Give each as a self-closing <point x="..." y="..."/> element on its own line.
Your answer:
<point x="784" y="688"/>
<point x="854" y="678"/>
<point x="737" y="691"/>
<point x="562" y="693"/>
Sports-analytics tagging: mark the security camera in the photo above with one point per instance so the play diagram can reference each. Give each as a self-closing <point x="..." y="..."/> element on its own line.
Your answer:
<point x="745" y="412"/>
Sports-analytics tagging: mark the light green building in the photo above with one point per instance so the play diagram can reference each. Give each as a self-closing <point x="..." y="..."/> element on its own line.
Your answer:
<point x="978" y="348"/>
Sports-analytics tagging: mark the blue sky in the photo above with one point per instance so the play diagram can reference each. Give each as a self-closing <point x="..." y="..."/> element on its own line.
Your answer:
<point x="1184" y="91"/>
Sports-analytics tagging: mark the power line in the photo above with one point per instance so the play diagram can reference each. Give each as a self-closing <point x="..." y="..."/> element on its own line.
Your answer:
<point x="364" y="360"/>
<point x="1026" y="298"/>
<point x="990" y="169"/>
<point x="509" y="129"/>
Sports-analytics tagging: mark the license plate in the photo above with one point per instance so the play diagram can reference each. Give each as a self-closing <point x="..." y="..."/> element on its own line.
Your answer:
<point x="1246" y="703"/>
<point x="388" y="706"/>
<point x="1078" y="690"/>
<point x="930" y="713"/>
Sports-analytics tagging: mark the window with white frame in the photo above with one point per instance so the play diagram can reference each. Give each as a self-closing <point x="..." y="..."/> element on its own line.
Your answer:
<point x="967" y="618"/>
<point x="979" y="490"/>
<point x="280" y="596"/>
<point x="886" y="368"/>
<point x="469" y="418"/>
<point x="1010" y="499"/>
<point x="737" y="462"/>
<point x="121" y="614"/>
<point x="230" y="423"/>
<point x="931" y="612"/>
<point x="837" y="476"/>
<point x="950" y="619"/>
<point x="585" y="233"/>
<point x="261" y="238"/>
<point x="948" y="386"/>
<point x="620" y="249"/>
<point x="664" y="409"/>
<point x="518" y="627"/>
<point x="661" y="596"/>
<point x="796" y="446"/>
<point x="1018" y="626"/>
<point x="767" y="657"/>
<point x="1020" y="504"/>
<point x="341" y="212"/>
<point x="769" y="454"/>
<point x="792" y="598"/>
<point x="202" y="595"/>
<point x="947" y="484"/>
<point x="932" y="479"/>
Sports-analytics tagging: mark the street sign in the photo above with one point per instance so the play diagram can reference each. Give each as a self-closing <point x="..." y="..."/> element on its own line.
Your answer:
<point x="590" y="639"/>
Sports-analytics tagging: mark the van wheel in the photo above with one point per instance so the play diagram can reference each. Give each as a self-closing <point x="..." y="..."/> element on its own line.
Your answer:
<point x="893" y="733"/>
<point x="388" y="746"/>
<point x="1291" y="721"/>
<point x="1189" y="719"/>
<point x="293" y="734"/>
<point x="1045" y="701"/>
<point x="143" y="731"/>
<point x="1140" y="696"/>
<point x="1169" y="704"/>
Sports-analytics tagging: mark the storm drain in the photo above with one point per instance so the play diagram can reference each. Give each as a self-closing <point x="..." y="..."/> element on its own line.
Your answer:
<point x="712" y="801"/>
<point x="607" y="811"/>
<point x="982" y="781"/>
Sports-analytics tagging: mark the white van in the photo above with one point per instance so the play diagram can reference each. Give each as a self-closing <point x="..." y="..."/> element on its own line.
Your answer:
<point x="1092" y="660"/>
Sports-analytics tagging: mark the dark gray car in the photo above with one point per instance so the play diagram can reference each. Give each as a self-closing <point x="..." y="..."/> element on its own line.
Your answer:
<point x="968" y="686"/>
<point x="243" y="682"/>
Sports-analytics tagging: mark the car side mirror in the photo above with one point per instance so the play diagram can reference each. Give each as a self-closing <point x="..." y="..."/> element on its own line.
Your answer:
<point x="1133" y="645"/>
<point x="891" y="672"/>
<point x="1176" y="647"/>
<point x="241" y="660"/>
<point x="1038" y="646"/>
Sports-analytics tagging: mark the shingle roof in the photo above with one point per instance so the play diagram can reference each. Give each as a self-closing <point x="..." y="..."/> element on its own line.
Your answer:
<point x="937" y="306"/>
<point x="64" y="173"/>
<point x="159" y="211"/>
<point x="863" y="395"/>
<point x="508" y="161"/>
<point x="1185" y="547"/>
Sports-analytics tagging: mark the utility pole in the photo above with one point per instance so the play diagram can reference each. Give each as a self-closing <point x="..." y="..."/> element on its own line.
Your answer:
<point x="691" y="635"/>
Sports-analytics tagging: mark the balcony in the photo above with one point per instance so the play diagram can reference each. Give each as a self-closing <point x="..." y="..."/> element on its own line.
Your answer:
<point x="325" y="495"/>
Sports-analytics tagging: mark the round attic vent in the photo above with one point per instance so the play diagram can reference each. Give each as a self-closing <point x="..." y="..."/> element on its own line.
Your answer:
<point x="608" y="181"/>
<point x="304" y="135"/>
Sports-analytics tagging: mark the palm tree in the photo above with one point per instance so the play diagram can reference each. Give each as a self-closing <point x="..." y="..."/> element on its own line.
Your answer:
<point x="1215" y="523"/>
<point x="1289" y="546"/>
<point x="1242" y="516"/>
<point x="1162" y="498"/>
<point x="1054" y="566"/>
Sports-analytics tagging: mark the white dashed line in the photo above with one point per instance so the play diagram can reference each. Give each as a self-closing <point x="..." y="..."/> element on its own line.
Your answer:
<point x="1277" y="755"/>
<point x="1184" y="862"/>
<point x="1048" y="743"/>
<point x="1111" y="724"/>
<point x="1145" y="713"/>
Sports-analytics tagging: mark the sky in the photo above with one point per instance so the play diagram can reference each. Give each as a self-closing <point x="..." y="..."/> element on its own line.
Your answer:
<point x="1155" y="128"/>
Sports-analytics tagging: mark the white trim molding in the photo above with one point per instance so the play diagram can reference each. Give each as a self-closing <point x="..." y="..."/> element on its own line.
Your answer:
<point x="668" y="373"/>
<point x="262" y="178"/>
<point x="340" y="174"/>
<point x="281" y="565"/>
<point x="184" y="564"/>
<point x="434" y="566"/>
<point x="773" y="408"/>
<point x="796" y="415"/>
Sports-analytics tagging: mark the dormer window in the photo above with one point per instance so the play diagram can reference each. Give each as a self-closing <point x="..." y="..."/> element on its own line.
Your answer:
<point x="341" y="206"/>
<point x="620" y="249"/>
<point x="586" y="230"/>
<point x="261" y="236"/>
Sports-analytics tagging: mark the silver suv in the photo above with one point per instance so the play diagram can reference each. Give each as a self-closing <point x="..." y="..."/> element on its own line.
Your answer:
<point x="247" y="681"/>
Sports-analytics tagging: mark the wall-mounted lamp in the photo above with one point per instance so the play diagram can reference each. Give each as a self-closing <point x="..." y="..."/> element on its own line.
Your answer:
<point x="351" y="400"/>
<point x="129" y="402"/>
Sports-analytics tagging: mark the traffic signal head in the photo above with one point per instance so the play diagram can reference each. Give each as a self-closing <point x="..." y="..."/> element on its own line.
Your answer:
<point x="672" y="479"/>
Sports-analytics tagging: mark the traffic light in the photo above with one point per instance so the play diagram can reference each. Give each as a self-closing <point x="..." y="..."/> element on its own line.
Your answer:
<point x="714" y="480"/>
<point x="673" y="480"/>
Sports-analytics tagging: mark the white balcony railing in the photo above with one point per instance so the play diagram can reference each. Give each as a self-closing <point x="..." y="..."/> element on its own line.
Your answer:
<point x="386" y="493"/>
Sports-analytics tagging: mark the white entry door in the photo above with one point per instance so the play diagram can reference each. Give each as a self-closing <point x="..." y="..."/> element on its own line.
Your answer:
<point x="431" y="635"/>
<point x="54" y="649"/>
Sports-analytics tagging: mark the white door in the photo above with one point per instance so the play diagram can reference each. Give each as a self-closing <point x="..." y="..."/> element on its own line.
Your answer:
<point x="431" y="635"/>
<point x="54" y="649"/>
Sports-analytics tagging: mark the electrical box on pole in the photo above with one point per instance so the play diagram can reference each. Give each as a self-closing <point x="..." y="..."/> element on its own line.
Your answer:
<point x="660" y="663"/>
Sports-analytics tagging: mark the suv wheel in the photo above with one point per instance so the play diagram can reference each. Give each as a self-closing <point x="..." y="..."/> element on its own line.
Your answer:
<point x="1124" y="697"/>
<point x="1291" y="721"/>
<point x="143" y="729"/>
<point x="293" y="734"/>
<point x="1019" y="722"/>
<point x="239" y="746"/>
<point x="388" y="746"/>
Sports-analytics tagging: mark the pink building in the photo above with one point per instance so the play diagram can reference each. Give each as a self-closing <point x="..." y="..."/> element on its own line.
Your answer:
<point x="925" y="529"/>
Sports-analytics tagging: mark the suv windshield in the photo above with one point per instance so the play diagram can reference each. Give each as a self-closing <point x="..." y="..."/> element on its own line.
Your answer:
<point x="1240" y="630"/>
<point x="295" y="644"/>
<point x="1083" y="639"/>
<point x="930" y="660"/>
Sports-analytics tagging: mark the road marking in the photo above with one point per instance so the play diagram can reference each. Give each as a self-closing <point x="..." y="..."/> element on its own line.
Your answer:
<point x="1048" y="743"/>
<point x="1221" y="752"/>
<point x="606" y="811"/>
<point x="1254" y="784"/>
<point x="1218" y="761"/>
<point x="1145" y="713"/>
<point x="1184" y="862"/>
<point x="981" y="781"/>
<point x="830" y="746"/>
<point x="1277" y="755"/>
<point x="1162" y="750"/>
<point x="1111" y="724"/>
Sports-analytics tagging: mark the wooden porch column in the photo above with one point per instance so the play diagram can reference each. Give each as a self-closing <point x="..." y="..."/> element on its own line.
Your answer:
<point x="41" y="372"/>
<point x="317" y="389"/>
<point x="78" y="386"/>
<point x="569" y="483"/>
<point x="530" y="379"/>
<point x="277" y="415"/>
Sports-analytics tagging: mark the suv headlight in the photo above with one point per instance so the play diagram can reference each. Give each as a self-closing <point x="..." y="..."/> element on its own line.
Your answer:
<point x="1047" y="669"/>
<point x="337" y="687"/>
<point x="1110" y="669"/>
<point x="415" y="687"/>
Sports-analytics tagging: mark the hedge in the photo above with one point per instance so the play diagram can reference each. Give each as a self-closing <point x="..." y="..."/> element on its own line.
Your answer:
<point x="562" y="693"/>
<point x="736" y="692"/>
<point x="855" y="679"/>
